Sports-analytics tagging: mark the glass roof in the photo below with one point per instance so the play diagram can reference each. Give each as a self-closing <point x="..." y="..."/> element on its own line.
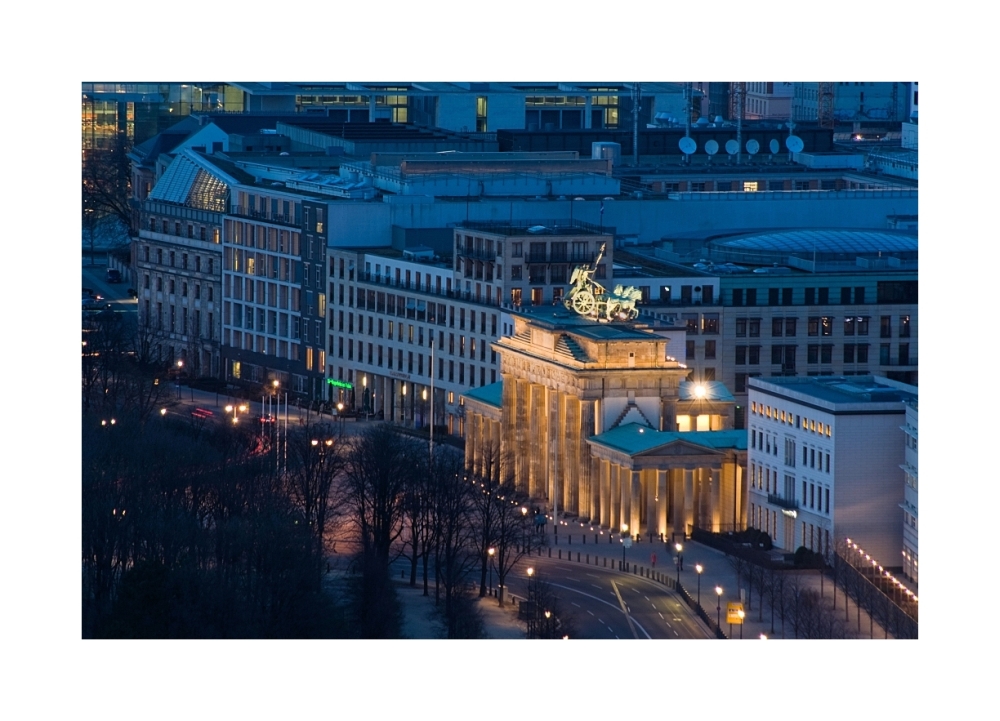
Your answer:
<point x="825" y="241"/>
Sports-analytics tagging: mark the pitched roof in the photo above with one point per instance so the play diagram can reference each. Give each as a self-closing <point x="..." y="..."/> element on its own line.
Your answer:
<point x="634" y="439"/>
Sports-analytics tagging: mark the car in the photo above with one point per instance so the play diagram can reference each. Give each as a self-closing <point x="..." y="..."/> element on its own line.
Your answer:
<point x="114" y="275"/>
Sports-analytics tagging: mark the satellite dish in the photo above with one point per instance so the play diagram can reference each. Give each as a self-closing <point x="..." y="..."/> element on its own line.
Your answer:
<point x="688" y="145"/>
<point x="794" y="144"/>
<point x="711" y="147"/>
<point x="775" y="146"/>
<point x="753" y="147"/>
<point x="732" y="147"/>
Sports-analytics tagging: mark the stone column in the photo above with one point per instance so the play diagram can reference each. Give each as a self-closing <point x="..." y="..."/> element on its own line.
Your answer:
<point x="649" y="481"/>
<point x="537" y="425"/>
<point x="635" y="488"/>
<point x="614" y="498"/>
<point x="606" y="498"/>
<point x="677" y="499"/>
<point x="588" y="420"/>
<point x="689" y="489"/>
<point x="470" y="441"/>
<point x="556" y="457"/>
<point x="716" y="503"/>
<point x="574" y="455"/>
<point x="522" y="441"/>
<point x="388" y="389"/>
<point x="661" y="501"/>
<point x="596" y="491"/>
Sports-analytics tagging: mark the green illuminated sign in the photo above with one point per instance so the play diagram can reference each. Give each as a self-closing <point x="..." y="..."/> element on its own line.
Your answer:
<point x="340" y="384"/>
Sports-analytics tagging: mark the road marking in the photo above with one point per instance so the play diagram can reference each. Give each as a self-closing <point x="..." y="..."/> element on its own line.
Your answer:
<point x="595" y="585"/>
<point x="576" y="604"/>
<point x="653" y="605"/>
<point x="625" y="610"/>
<point x="646" y="597"/>
<point x="661" y="616"/>
<point x="591" y="613"/>
<point x="676" y="634"/>
<point x="599" y="600"/>
<point x="592" y="575"/>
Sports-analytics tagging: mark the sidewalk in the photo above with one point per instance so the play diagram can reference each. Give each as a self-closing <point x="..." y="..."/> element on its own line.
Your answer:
<point x="716" y="571"/>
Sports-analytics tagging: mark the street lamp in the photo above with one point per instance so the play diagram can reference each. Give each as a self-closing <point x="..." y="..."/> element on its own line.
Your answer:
<point x="180" y="366"/>
<point x="524" y="533"/>
<point x="624" y="533"/>
<point x="741" y="615"/>
<point x="491" y="551"/>
<point x="680" y="561"/>
<point x="699" y="568"/>
<point x="718" y="606"/>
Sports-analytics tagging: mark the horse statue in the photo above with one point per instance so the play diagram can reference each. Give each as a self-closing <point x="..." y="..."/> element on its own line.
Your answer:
<point x="621" y="303"/>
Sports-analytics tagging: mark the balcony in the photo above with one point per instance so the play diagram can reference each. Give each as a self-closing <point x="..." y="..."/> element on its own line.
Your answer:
<point x="277" y="218"/>
<point x="782" y="502"/>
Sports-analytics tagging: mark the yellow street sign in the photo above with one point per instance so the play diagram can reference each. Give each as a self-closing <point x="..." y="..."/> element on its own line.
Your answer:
<point x="734" y="611"/>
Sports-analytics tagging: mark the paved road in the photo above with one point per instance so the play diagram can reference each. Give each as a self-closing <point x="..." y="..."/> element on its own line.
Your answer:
<point x="605" y="603"/>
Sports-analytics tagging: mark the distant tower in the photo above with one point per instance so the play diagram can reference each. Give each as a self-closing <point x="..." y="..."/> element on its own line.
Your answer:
<point x="825" y="106"/>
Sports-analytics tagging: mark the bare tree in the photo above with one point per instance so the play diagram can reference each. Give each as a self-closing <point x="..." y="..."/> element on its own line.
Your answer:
<point x="378" y="466"/>
<point x="493" y="478"/>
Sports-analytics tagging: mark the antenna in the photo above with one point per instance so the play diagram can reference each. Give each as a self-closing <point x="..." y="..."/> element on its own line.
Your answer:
<point x="687" y="145"/>
<point x="794" y="144"/>
<point x="775" y="146"/>
<point x="753" y="147"/>
<point x="732" y="147"/>
<point x="711" y="147"/>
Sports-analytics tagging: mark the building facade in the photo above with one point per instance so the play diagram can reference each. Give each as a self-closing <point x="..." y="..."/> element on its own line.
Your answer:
<point x="910" y="503"/>
<point x="823" y="460"/>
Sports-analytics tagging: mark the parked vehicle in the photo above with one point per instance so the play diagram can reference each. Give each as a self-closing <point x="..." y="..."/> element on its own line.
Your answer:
<point x="114" y="275"/>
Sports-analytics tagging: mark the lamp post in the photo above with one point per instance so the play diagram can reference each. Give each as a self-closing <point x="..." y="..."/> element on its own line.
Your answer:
<point x="524" y="533"/>
<point x="742" y="616"/>
<point x="180" y="366"/>
<point x="699" y="568"/>
<point x="491" y="551"/>
<point x="340" y="415"/>
<point x="531" y="605"/>
<point x="679" y="547"/>
<point x="718" y="606"/>
<point x="624" y="533"/>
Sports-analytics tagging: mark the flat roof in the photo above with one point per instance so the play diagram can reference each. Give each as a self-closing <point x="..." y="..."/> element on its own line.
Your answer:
<point x="557" y="317"/>
<point x="837" y="390"/>
<point x="540" y="228"/>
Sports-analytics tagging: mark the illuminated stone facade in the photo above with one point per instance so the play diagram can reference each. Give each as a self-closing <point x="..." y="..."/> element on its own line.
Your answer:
<point x="589" y="414"/>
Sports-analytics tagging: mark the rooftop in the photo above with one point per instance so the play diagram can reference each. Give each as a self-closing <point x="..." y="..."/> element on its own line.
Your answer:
<point x="490" y="394"/>
<point x="557" y="318"/>
<point x="635" y="438"/>
<point x="833" y="392"/>
<point x="534" y="227"/>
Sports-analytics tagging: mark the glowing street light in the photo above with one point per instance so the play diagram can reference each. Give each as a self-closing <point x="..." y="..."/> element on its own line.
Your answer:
<point x="699" y="568"/>
<point x="718" y="606"/>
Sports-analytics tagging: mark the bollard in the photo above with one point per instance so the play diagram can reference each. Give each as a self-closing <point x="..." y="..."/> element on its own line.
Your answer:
<point x="550" y="552"/>
<point x="560" y="553"/>
<point x="588" y="559"/>
<point x="584" y="537"/>
<point x="609" y="537"/>
<point x="577" y="556"/>
<point x="569" y="539"/>
<point x="605" y="562"/>
<point x="595" y="538"/>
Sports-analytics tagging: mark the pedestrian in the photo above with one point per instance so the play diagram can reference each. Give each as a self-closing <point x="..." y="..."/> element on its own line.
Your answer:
<point x="652" y="559"/>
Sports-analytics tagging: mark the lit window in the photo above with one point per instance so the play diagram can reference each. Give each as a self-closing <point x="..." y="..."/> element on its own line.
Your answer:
<point x="749" y="186"/>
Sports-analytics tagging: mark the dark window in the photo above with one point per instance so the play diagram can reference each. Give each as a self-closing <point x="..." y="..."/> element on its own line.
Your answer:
<point x="812" y="353"/>
<point x="741" y="327"/>
<point x="751" y="296"/>
<point x="786" y="296"/>
<point x="710" y="349"/>
<point x="777" y="326"/>
<point x="741" y="355"/>
<point x="737" y="296"/>
<point x="848" y="353"/>
<point x="708" y="374"/>
<point x="883" y="354"/>
<point x="810" y="296"/>
<point x="689" y="350"/>
<point x="824" y="296"/>
<point x="904" y="326"/>
<point x="741" y="382"/>
<point x="790" y="324"/>
<point x="707" y="294"/>
<point x="863" y="325"/>
<point x="897" y="291"/>
<point x="849" y="326"/>
<point x="862" y="353"/>
<point x="826" y="353"/>
<point x="859" y="294"/>
<point x="845" y="295"/>
<point x="772" y="296"/>
<point x="904" y="354"/>
<point x="812" y="328"/>
<point x="754" y="358"/>
<point x="755" y="327"/>
<point x="777" y="354"/>
<point x="885" y="327"/>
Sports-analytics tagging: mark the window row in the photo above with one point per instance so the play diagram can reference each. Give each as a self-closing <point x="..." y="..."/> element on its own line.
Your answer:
<point x="191" y="261"/>
<point x="173" y="319"/>
<point x="171" y="286"/>
<point x="185" y="229"/>
<point x="402" y="306"/>
<point x="278" y="324"/>
<point x="274" y="295"/>
<point x="379" y="356"/>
